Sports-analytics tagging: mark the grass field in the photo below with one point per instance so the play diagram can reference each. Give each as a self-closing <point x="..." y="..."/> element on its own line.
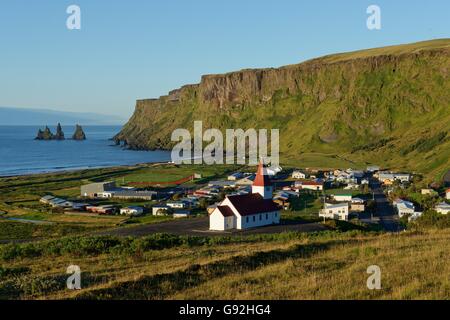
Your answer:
<point x="414" y="265"/>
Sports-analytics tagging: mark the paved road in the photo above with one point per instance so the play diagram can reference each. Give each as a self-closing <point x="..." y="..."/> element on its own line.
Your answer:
<point x="199" y="227"/>
<point x="385" y="212"/>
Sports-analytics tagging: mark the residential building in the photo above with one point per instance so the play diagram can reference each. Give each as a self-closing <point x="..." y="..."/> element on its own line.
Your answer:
<point x="447" y="194"/>
<point x="309" y="185"/>
<point x="389" y="177"/>
<point x="181" y="213"/>
<point x="177" y="204"/>
<point x="137" y="195"/>
<point x="442" y="208"/>
<point x="132" y="211"/>
<point x="343" y="197"/>
<point x="273" y="170"/>
<point x="235" y="176"/>
<point x="404" y="207"/>
<point x="159" y="210"/>
<point x="337" y="211"/>
<point x="46" y="199"/>
<point x="251" y="210"/>
<point x="222" y="184"/>
<point x="246" y="181"/>
<point x="107" y="209"/>
<point x="297" y="174"/>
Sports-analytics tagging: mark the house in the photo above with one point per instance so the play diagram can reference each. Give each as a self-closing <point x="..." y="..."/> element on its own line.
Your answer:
<point x="177" y="204"/>
<point x="447" y="194"/>
<point x="245" y="211"/>
<point x="160" y="210"/>
<point x="107" y="209"/>
<point x="309" y="185"/>
<point x="46" y="199"/>
<point x="135" y="195"/>
<point x="297" y="174"/>
<point x="273" y="170"/>
<point x="352" y="186"/>
<point x="283" y="198"/>
<point x="404" y="207"/>
<point x="235" y="176"/>
<point x="429" y="192"/>
<point x="442" y="208"/>
<point x="132" y="211"/>
<point x="403" y="177"/>
<point x="92" y="190"/>
<point x="342" y="197"/>
<point x="358" y="205"/>
<point x="222" y="184"/>
<point x="388" y="178"/>
<point x="246" y="181"/>
<point x="181" y="213"/>
<point x="337" y="211"/>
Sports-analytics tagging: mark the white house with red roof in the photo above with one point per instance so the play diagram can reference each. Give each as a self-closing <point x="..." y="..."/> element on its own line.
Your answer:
<point x="309" y="185"/>
<point x="447" y="194"/>
<point x="246" y="211"/>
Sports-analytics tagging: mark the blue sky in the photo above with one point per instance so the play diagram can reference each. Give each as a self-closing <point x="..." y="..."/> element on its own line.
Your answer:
<point x="128" y="50"/>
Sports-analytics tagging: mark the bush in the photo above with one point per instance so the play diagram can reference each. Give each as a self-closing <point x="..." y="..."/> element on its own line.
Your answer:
<point x="431" y="219"/>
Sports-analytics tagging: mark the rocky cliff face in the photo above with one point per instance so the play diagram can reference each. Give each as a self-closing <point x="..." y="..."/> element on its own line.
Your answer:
<point x="345" y="103"/>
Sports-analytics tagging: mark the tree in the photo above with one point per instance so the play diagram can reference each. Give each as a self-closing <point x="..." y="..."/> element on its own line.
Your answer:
<point x="203" y="203"/>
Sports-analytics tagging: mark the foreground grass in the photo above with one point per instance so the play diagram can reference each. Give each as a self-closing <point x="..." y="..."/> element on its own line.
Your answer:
<point x="326" y="265"/>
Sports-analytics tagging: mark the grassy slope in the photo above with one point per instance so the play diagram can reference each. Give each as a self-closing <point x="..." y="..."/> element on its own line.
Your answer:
<point x="389" y="106"/>
<point x="327" y="266"/>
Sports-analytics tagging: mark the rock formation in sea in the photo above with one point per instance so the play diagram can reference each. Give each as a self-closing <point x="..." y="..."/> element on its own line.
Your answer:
<point x="79" y="133"/>
<point x="59" y="133"/>
<point x="44" y="135"/>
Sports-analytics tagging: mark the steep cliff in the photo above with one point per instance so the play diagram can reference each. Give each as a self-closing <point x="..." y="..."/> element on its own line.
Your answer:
<point x="389" y="104"/>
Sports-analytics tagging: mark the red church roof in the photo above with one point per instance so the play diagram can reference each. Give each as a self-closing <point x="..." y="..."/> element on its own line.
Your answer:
<point x="252" y="203"/>
<point x="261" y="179"/>
<point x="225" y="211"/>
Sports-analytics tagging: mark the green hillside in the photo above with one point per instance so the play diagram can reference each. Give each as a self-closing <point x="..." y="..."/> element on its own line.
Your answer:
<point x="388" y="106"/>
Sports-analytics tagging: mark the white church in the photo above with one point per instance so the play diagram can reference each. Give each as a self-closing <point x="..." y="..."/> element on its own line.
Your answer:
<point x="252" y="210"/>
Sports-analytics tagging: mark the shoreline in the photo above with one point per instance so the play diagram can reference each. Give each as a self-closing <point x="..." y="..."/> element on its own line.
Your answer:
<point x="74" y="170"/>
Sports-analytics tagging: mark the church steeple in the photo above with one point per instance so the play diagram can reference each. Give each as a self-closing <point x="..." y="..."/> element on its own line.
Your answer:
<point x="262" y="184"/>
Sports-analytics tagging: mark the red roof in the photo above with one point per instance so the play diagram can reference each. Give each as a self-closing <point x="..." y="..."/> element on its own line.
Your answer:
<point x="312" y="183"/>
<point x="225" y="211"/>
<point x="252" y="203"/>
<point x="261" y="179"/>
<point x="448" y="191"/>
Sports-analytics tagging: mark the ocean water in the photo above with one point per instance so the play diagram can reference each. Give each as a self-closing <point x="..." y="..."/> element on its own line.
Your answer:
<point x="20" y="154"/>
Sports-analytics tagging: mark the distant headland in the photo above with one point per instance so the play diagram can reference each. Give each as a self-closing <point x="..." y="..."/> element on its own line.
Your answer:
<point x="47" y="134"/>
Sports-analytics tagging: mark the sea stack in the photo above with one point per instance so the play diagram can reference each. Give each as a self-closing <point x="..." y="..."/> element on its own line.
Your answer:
<point x="79" y="133"/>
<point x="59" y="133"/>
<point x="44" y="135"/>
